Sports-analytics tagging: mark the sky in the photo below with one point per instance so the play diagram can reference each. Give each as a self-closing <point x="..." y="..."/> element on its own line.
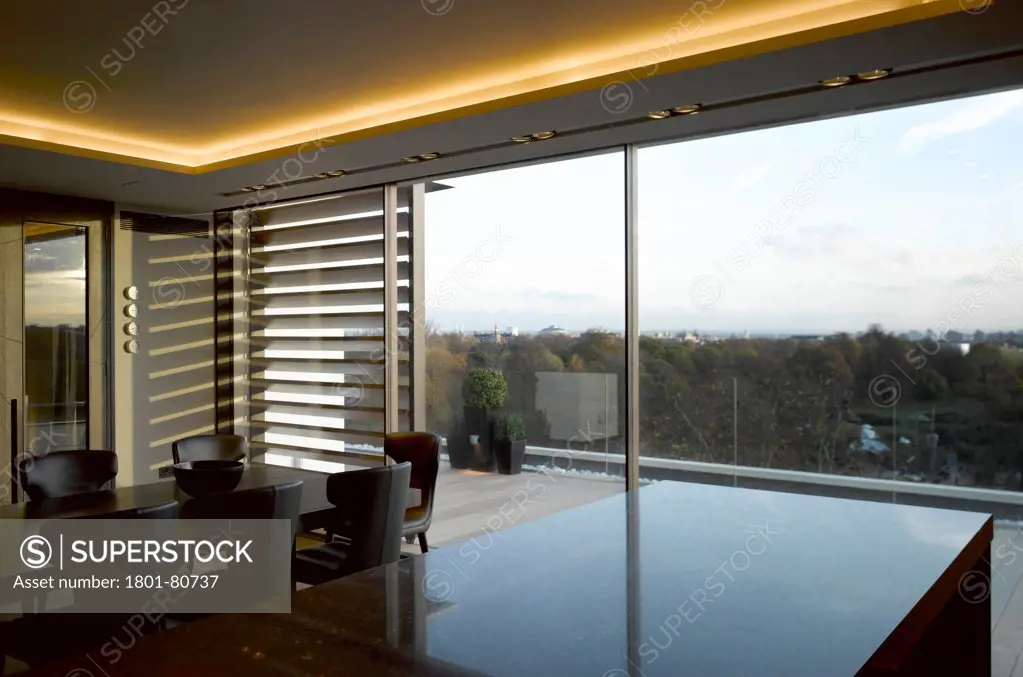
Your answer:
<point x="55" y="282"/>
<point x="905" y="218"/>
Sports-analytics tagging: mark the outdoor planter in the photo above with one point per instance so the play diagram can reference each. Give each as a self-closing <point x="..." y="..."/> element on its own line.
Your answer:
<point x="485" y="391"/>
<point x="459" y="451"/>
<point x="509" y="444"/>
<point x="509" y="456"/>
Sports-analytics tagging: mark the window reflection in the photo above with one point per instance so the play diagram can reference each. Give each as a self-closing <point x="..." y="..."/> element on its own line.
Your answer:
<point x="56" y="341"/>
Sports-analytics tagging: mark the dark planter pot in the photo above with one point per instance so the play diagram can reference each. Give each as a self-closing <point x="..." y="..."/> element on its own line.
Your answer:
<point x="459" y="452"/>
<point x="509" y="456"/>
<point x="480" y="425"/>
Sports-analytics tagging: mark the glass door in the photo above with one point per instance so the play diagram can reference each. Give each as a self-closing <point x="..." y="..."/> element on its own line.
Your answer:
<point x="43" y="324"/>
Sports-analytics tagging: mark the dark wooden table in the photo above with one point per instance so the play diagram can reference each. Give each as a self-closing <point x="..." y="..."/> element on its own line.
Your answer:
<point x="315" y="506"/>
<point x="685" y="580"/>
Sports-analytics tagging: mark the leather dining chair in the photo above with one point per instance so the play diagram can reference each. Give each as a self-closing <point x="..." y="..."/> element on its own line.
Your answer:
<point x="281" y="501"/>
<point x="422" y="450"/>
<point x="66" y="473"/>
<point x="369" y="512"/>
<point x="209" y="448"/>
<point x="40" y="638"/>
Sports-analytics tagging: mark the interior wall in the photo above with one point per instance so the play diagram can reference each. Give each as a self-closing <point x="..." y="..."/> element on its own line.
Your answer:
<point x="167" y="389"/>
<point x="16" y="207"/>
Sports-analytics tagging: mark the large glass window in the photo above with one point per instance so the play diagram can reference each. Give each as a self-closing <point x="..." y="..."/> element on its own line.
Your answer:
<point x="56" y="341"/>
<point x="525" y="303"/>
<point x="838" y="297"/>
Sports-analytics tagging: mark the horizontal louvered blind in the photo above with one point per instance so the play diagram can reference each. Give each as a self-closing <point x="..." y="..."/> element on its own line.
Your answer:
<point x="316" y="325"/>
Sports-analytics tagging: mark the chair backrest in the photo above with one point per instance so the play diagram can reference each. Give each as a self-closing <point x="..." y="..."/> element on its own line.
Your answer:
<point x="281" y="501"/>
<point x="422" y="450"/>
<point x="66" y="473"/>
<point x="370" y="512"/>
<point x="209" y="448"/>
<point x="163" y="511"/>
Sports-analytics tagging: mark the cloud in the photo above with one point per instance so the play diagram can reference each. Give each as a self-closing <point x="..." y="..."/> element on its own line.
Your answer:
<point x="977" y="114"/>
<point x="753" y="175"/>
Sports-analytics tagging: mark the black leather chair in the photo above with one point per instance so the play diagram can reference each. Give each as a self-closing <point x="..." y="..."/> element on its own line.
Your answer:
<point x="210" y="448"/>
<point x="163" y="511"/>
<point x="41" y="638"/>
<point x="281" y="501"/>
<point x="369" y="514"/>
<point x="422" y="450"/>
<point x="66" y="473"/>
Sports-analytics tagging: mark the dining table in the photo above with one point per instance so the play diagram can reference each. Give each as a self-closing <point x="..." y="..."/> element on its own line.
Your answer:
<point x="670" y="580"/>
<point x="314" y="512"/>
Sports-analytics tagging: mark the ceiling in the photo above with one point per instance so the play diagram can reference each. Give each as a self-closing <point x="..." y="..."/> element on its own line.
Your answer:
<point x="179" y="104"/>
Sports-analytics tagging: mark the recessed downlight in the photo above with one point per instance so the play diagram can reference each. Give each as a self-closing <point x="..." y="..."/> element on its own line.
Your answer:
<point x="259" y="186"/>
<point x="874" y="74"/>
<point x="429" y="156"/>
<point x="248" y="189"/>
<point x="658" y="114"/>
<point x="690" y="109"/>
<point x="323" y="175"/>
<point x="336" y="173"/>
<point x="522" y="139"/>
<point x="412" y="159"/>
<point x="543" y="136"/>
<point x="836" y="81"/>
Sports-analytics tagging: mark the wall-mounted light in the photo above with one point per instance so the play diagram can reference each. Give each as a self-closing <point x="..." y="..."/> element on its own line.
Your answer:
<point x="689" y="109"/>
<point x="837" y="81"/>
<point x="874" y="74"/>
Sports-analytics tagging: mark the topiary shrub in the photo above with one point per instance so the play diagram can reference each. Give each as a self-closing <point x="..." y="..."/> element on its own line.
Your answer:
<point x="485" y="388"/>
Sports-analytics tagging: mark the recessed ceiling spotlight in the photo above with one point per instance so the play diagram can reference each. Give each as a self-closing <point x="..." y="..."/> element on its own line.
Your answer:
<point x="429" y="156"/>
<point x="836" y="81"/>
<point x="874" y="74"/>
<point x="522" y="139"/>
<point x="336" y="173"/>
<point x="259" y="186"/>
<point x="543" y="136"/>
<point x="248" y="189"/>
<point x="658" y="114"/>
<point x="412" y="158"/>
<point x="323" y="175"/>
<point x="691" y="109"/>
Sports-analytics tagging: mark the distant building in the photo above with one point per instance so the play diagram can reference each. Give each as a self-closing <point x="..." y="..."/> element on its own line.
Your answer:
<point x="496" y="336"/>
<point x="553" y="330"/>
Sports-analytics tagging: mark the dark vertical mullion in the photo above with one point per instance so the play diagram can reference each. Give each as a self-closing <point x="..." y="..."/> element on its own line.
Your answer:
<point x="223" y="307"/>
<point x="631" y="319"/>
<point x="391" y="328"/>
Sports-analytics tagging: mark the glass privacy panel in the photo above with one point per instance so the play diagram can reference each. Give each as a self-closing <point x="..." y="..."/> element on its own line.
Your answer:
<point x="56" y="341"/>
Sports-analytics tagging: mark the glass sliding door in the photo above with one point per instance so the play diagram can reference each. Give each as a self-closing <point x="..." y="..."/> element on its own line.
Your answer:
<point x="44" y="353"/>
<point x="524" y="318"/>
<point x="56" y="364"/>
